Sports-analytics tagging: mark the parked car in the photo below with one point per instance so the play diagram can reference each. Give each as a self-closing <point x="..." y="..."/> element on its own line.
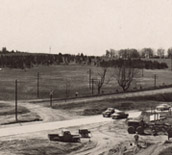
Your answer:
<point x="108" y="112"/>
<point x="119" y="115"/>
<point x="163" y="107"/>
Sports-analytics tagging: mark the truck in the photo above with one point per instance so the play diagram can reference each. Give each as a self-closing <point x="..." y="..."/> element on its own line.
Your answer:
<point x="65" y="137"/>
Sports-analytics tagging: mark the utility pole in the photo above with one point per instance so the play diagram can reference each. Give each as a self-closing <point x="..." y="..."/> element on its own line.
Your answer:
<point x="16" y="101"/>
<point x="90" y="78"/>
<point x="92" y="86"/>
<point x="155" y="78"/>
<point x="38" y="85"/>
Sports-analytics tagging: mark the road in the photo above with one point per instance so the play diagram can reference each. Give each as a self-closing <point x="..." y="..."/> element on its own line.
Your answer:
<point x="44" y="126"/>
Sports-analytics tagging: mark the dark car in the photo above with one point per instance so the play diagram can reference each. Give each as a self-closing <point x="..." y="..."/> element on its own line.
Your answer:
<point x="108" y="112"/>
<point x="119" y="115"/>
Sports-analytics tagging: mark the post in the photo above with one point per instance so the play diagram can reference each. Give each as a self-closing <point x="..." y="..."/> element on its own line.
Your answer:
<point x="90" y="78"/>
<point x="16" y="101"/>
<point x="155" y="77"/>
<point x="92" y="84"/>
<point x="51" y="99"/>
<point x="38" y="85"/>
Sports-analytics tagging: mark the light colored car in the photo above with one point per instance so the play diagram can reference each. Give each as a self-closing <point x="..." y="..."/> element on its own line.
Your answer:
<point x="108" y="112"/>
<point x="119" y="115"/>
<point x="163" y="107"/>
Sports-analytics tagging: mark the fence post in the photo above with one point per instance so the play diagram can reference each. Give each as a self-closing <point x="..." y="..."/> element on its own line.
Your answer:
<point x="51" y="99"/>
<point x="155" y="78"/>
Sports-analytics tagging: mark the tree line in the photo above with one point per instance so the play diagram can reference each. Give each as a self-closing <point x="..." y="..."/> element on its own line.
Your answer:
<point x="143" y="53"/>
<point x="135" y="63"/>
<point x="22" y="60"/>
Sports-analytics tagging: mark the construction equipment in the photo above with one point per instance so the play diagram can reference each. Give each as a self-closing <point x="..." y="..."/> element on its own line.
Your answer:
<point x="140" y="127"/>
<point x="65" y="137"/>
<point x="135" y="125"/>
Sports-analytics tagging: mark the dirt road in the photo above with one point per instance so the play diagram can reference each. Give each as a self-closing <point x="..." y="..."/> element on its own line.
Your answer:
<point x="23" y="129"/>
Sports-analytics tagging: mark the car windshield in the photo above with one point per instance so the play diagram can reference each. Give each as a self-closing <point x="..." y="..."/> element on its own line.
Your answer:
<point x="120" y="112"/>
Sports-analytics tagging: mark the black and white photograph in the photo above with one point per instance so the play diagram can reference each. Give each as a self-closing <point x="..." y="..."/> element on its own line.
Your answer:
<point x="85" y="77"/>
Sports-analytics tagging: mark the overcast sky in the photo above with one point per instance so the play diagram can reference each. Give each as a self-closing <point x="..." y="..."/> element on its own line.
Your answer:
<point x="87" y="26"/>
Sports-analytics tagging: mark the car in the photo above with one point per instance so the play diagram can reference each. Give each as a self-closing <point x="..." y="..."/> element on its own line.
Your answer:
<point x="108" y="112"/>
<point x="163" y="107"/>
<point x="119" y="115"/>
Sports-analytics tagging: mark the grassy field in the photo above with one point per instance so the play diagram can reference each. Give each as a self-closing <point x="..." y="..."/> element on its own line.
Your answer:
<point x="73" y="77"/>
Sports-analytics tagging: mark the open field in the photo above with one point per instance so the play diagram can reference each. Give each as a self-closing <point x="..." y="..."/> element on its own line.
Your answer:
<point x="73" y="78"/>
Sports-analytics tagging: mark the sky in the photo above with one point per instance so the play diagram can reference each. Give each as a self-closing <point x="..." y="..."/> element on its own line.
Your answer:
<point x="85" y="26"/>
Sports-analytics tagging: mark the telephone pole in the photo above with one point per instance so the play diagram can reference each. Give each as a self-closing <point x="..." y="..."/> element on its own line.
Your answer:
<point x="92" y="86"/>
<point x="38" y="85"/>
<point x="90" y="78"/>
<point x="155" y="78"/>
<point x="16" y="101"/>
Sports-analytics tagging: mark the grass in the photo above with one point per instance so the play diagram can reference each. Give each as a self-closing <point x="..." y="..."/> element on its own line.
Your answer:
<point x="55" y="77"/>
<point x="11" y="110"/>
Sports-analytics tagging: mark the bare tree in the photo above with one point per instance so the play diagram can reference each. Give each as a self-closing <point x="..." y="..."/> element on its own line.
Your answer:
<point x="125" y="75"/>
<point x="101" y="79"/>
